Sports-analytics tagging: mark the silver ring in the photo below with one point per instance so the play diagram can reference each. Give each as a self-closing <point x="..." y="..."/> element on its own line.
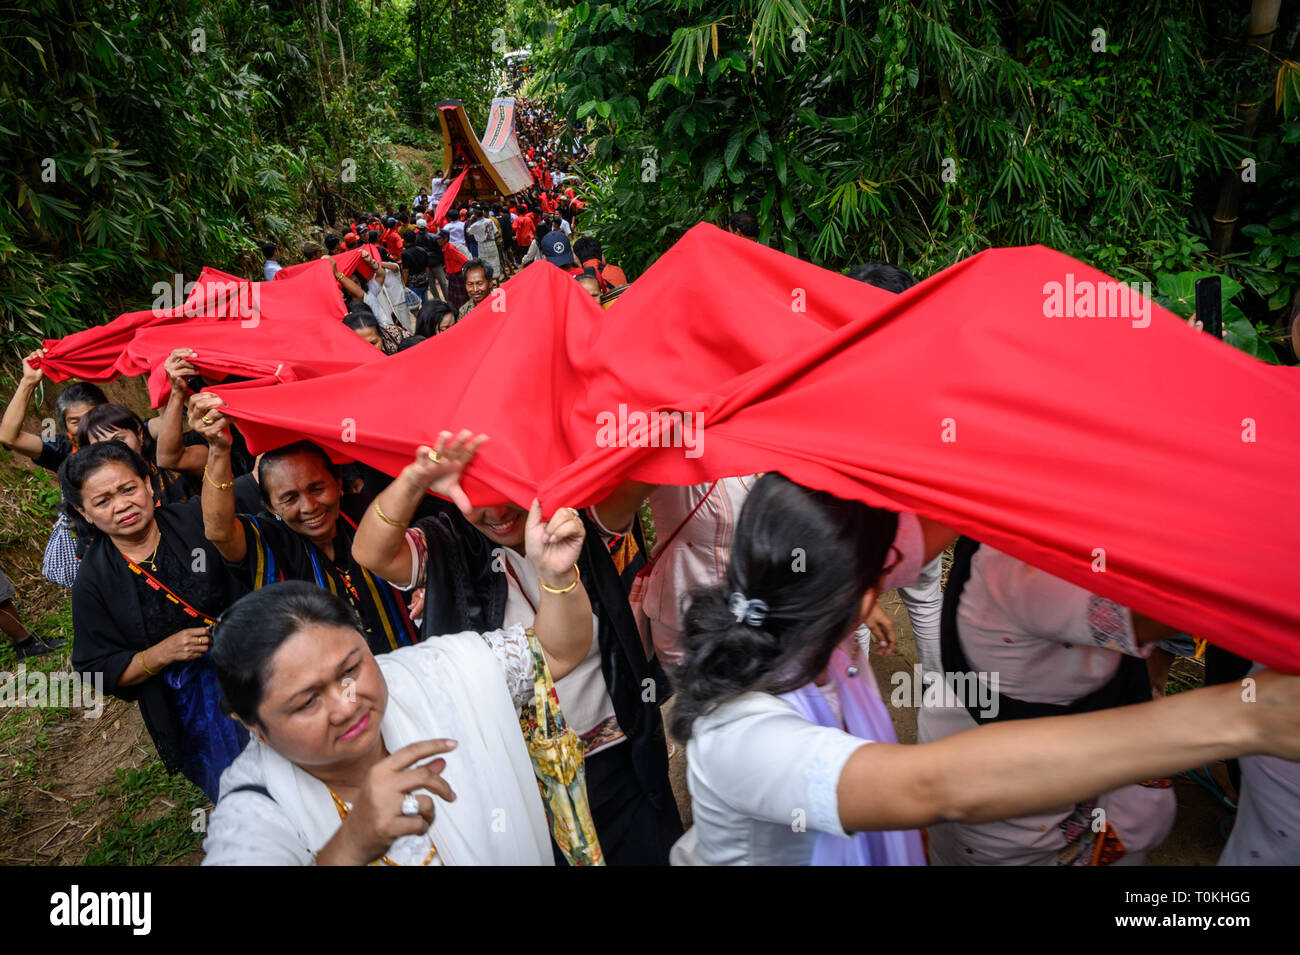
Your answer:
<point x="410" y="805"/>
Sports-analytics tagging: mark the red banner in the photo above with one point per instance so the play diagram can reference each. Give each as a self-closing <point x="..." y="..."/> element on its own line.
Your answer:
<point x="1019" y="396"/>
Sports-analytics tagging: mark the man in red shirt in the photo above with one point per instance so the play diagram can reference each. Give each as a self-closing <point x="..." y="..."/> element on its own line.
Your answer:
<point x="589" y="253"/>
<point x="390" y="240"/>
<point x="525" y="230"/>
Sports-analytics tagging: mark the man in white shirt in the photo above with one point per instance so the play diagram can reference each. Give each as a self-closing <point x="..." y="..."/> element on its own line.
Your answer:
<point x="437" y="187"/>
<point x="455" y="228"/>
<point x="270" y="266"/>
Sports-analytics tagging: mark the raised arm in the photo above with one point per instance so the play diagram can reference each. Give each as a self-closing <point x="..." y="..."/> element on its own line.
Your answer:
<point x="937" y="537"/>
<point x="12" y="434"/>
<point x="1026" y="766"/>
<point x="352" y="287"/>
<point x="563" y="621"/>
<point x="380" y="543"/>
<point x="619" y="510"/>
<point x="219" y="524"/>
<point x="172" y="452"/>
<point x="378" y="265"/>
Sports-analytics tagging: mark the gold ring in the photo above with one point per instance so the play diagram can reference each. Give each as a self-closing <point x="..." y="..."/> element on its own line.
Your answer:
<point x="207" y="420"/>
<point x="433" y="456"/>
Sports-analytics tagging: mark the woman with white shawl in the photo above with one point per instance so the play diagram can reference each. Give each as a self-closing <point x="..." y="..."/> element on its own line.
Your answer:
<point x="337" y="772"/>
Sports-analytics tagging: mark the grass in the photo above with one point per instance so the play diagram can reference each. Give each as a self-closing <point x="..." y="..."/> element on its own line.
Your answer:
<point x="31" y="501"/>
<point x="152" y="821"/>
<point x="30" y="721"/>
<point x="146" y="813"/>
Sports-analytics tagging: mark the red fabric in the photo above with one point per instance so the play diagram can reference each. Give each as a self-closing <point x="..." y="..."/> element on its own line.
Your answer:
<point x="103" y="353"/>
<point x="452" y="259"/>
<point x="348" y="262"/>
<point x="91" y="354"/>
<point x="546" y="315"/>
<point x="449" y="196"/>
<point x="274" y="350"/>
<point x="1071" y="436"/>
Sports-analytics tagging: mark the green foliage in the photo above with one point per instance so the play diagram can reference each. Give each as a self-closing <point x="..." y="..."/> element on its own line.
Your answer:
<point x="145" y="138"/>
<point x="911" y="131"/>
<point x="1177" y="292"/>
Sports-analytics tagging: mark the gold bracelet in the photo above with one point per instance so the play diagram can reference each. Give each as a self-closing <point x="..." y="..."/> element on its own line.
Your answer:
<point x="386" y="519"/>
<point x="577" y="576"/>
<point x="220" y="487"/>
<point x="144" y="666"/>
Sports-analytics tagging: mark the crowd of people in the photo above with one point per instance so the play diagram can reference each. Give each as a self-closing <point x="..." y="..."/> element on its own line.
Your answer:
<point x="364" y="668"/>
<point x="436" y="261"/>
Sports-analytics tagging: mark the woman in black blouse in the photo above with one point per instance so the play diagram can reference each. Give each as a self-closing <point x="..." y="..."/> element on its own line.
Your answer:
<point x="146" y="594"/>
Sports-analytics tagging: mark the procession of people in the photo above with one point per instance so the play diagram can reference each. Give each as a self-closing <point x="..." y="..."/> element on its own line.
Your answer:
<point x="360" y="666"/>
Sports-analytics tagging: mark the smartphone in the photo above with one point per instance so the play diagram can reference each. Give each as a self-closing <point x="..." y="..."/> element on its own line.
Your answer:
<point x="1209" y="305"/>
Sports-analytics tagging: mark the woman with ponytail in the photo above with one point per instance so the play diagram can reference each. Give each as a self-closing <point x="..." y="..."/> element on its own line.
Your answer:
<point x="769" y="785"/>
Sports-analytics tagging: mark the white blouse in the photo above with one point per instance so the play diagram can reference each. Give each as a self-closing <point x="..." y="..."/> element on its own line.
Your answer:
<point x="450" y="686"/>
<point x="763" y="782"/>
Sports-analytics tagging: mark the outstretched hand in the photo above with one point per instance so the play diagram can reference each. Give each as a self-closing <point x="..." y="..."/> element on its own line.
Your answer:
<point x="439" y="468"/>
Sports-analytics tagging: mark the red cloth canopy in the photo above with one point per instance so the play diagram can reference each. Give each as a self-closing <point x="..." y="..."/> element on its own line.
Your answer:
<point x="92" y="353"/>
<point x="381" y="412"/>
<point x="277" y="351"/>
<point x="102" y="353"/>
<point x="449" y="196"/>
<point x="348" y="262"/>
<point x="1121" y="451"/>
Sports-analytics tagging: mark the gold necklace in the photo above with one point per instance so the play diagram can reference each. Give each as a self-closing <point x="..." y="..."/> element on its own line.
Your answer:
<point x="153" y="556"/>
